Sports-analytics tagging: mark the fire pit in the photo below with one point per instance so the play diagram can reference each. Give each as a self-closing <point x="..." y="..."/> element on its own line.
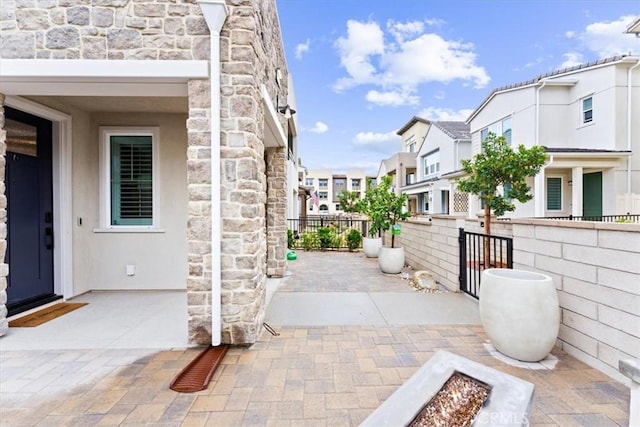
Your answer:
<point x="436" y="389"/>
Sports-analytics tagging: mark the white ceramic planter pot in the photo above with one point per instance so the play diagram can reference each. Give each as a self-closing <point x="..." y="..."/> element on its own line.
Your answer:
<point x="371" y="246"/>
<point x="391" y="260"/>
<point x="520" y="312"/>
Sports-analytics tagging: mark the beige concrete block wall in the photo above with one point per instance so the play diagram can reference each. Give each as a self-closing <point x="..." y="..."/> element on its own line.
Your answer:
<point x="432" y="245"/>
<point x="595" y="267"/>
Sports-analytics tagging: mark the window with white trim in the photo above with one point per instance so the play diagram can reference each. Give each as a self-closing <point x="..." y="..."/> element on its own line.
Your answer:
<point x="500" y="128"/>
<point x="431" y="163"/>
<point x="129" y="177"/>
<point x="554" y="193"/>
<point x="587" y="109"/>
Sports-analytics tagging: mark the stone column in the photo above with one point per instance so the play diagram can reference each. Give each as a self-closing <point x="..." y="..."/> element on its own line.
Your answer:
<point x="276" y="164"/>
<point x="199" y="214"/>
<point x="4" y="268"/>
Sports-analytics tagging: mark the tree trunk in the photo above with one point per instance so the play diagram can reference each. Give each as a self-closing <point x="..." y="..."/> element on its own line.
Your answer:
<point x="393" y="237"/>
<point x="487" y="242"/>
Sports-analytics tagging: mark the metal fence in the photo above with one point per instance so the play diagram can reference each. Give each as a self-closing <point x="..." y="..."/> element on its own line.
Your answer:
<point x="324" y="231"/>
<point x="632" y="218"/>
<point x="480" y="251"/>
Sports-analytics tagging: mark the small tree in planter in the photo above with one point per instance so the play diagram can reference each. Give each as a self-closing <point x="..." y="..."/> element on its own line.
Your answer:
<point x="500" y="165"/>
<point x="387" y="207"/>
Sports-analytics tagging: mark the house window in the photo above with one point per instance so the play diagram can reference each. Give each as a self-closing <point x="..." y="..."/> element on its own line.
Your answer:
<point x="129" y="166"/>
<point x="338" y="207"/>
<point x="410" y="178"/>
<point x="323" y="183"/>
<point x="308" y="182"/>
<point x="554" y="194"/>
<point x="500" y="128"/>
<point x="587" y="110"/>
<point x="323" y="195"/>
<point x="506" y="190"/>
<point x="355" y="184"/>
<point x="506" y="129"/>
<point x="431" y="163"/>
<point x="483" y="134"/>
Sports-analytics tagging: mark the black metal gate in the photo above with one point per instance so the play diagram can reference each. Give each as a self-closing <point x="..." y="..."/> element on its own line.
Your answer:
<point x="476" y="250"/>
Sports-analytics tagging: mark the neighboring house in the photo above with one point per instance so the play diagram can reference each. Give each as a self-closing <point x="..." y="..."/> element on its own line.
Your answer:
<point x="588" y="119"/>
<point x="326" y="184"/>
<point x="442" y="151"/>
<point x="402" y="165"/>
<point x="148" y="146"/>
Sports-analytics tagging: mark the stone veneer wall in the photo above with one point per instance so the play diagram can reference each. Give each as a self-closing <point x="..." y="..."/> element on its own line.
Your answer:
<point x="276" y="211"/>
<point x="253" y="178"/>
<point x="4" y="268"/>
<point x="251" y="50"/>
<point x="103" y="29"/>
<point x="594" y="267"/>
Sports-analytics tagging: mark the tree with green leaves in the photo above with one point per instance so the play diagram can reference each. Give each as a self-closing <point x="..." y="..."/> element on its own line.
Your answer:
<point x="348" y="201"/>
<point x="499" y="165"/>
<point x="384" y="207"/>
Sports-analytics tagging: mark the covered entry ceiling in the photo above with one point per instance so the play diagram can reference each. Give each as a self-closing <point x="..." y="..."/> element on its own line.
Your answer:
<point x="135" y="104"/>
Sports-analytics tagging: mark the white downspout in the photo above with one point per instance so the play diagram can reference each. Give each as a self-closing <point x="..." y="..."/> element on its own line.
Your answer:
<point x="538" y="89"/>
<point x="538" y="204"/>
<point x="629" y="88"/>
<point x="215" y="13"/>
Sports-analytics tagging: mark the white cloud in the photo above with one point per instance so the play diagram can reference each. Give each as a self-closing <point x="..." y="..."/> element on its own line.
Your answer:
<point x="571" y="59"/>
<point x="445" y="114"/>
<point x="435" y="22"/>
<point x="407" y="58"/>
<point x="400" y="31"/>
<point x="364" y="39"/>
<point x="364" y="138"/>
<point x="393" y="99"/>
<point x="440" y="95"/>
<point x="605" y="39"/>
<point x="302" y="48"/>
<point x="319" y="127"/>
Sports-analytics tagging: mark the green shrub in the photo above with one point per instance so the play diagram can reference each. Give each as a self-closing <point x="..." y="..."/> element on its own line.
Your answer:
<point x="326" y="236"/>
<point x="354" y="238"/>
<point x="291" y="239"/>
<point x="310" y="241"/>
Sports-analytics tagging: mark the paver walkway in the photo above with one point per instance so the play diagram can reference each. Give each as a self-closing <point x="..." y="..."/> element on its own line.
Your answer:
<point x="307" y="376"/>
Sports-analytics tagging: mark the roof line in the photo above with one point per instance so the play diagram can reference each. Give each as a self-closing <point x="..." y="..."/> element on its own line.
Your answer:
<point x="536" y="80"/>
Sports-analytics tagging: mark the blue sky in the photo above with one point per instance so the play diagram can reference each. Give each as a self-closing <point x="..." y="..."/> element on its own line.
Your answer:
<point x="364" y="68"/>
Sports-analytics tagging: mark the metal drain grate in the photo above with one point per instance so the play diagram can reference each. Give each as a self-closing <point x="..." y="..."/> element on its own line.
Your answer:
<point x="197" y="374"/>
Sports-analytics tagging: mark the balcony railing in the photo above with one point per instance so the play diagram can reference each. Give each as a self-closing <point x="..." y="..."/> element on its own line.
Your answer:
<point x="629" y="218"/>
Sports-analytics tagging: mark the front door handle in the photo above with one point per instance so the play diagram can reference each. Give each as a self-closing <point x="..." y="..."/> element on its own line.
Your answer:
<point x="48" y="237"/>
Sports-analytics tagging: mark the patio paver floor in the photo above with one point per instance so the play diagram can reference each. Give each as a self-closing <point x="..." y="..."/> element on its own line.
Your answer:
<point x="307" y="376"/>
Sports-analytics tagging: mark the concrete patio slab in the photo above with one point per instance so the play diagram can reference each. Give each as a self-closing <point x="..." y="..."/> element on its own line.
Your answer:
<point x="146" y="319"/>
<point x="427" y="308"/>
<point x="320" y="309"/>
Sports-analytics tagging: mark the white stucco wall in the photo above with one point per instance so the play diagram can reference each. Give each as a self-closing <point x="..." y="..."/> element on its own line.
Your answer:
<point x="100" y="258"/>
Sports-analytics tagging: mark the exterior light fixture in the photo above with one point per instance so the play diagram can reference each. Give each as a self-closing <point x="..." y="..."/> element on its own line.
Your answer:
<point x="287" y="111"/>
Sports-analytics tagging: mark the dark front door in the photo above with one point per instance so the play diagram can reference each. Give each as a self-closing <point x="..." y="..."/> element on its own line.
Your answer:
<point x="29" y="211"/>
<point x="592" y="195"/>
